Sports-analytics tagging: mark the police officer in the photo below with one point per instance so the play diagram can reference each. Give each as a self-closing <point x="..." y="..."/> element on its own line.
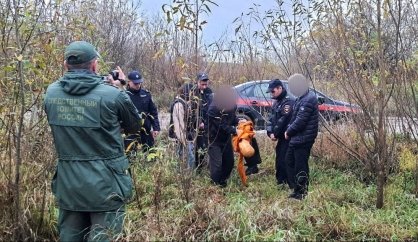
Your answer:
<point x="279" y="119"/>
<point x="91" y="182"/>
<point x="142" y="100"/>
<point x="203" y="96"/>
<point x="302" y="132"/>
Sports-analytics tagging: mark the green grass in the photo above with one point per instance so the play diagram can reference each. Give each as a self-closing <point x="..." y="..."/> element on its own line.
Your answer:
<point x="339" y="207"/>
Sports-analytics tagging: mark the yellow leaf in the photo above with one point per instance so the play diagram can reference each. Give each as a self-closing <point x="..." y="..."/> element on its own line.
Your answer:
<point x="158" y="54"/>
<point x="19" y="57"/>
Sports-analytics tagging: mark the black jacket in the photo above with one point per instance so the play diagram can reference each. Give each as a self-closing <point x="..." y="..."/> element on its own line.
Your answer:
<point x="221" y="124"/>
<point x="303" y="127"/>
<point x="280" y="115"/>
<point x="146" y="108"/>
<point x="204" y="100"/>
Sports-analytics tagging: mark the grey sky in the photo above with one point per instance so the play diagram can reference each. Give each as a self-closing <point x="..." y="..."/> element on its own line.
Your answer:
<point x="221" y="18"/>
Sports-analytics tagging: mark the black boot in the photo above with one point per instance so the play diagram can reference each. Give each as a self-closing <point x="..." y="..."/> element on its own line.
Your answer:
<point x="298" y="196"/>
<point x="251" y="170"/>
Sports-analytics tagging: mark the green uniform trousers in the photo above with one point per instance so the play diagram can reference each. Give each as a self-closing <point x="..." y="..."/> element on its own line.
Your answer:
<point x="90" y="226"/>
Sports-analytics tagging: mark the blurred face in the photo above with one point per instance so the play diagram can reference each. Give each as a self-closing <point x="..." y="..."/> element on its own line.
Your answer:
<point x="134" y="86"/>
<point x="298" y="85"/>
<point x="202" y="85"/>
<point x="276" y="92"/>
<point x="225" y="98"/>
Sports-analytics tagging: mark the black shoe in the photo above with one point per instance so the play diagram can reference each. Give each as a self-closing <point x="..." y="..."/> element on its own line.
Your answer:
<point x="297" y="196"/>
<point x="221" y="184"/>
<point x="282" y="184"/>
<point x="251" y="170"/>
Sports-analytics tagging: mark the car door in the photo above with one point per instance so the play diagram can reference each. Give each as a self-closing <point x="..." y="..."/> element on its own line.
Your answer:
<point x="244" y="102"/>
<point x="261" y="101"/>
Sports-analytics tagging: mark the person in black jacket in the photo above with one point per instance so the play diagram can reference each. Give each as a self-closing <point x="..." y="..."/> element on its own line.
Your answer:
<point x="201" y="101"/>
<point x="279" y="119"/>
<point x="142" y="100"/>
<point x="302" y="132"/>
<point x="222" y="124"/>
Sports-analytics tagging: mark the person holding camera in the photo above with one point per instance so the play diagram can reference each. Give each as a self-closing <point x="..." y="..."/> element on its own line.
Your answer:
<point x="116" y="78"/>
<point x="142" y="100"/>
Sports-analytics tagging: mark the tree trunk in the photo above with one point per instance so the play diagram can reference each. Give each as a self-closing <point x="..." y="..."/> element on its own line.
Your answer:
<point x="416" y="180"/>
<point x="196" y="35"/>
<point x="21" y="103"/>
<point x="380" y="140"/>
<point x="380" y="188"/>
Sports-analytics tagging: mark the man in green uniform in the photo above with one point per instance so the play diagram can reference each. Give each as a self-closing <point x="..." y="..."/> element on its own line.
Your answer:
<point x="91" y="183"/>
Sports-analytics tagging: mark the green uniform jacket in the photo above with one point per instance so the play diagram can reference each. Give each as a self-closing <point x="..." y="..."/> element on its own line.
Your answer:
<point x="86" y="117"/>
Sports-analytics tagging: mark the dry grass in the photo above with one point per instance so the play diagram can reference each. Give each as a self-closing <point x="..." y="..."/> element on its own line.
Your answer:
<point x="339" y="206"/>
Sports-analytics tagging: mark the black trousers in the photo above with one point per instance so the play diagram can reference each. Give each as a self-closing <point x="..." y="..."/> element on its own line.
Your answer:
<point x="254" y="160"/>
<point x="147" y="140"/>
<point x="281" y="166"/>
<point x="144" y="138"/>
<point x="201" y="149"/>
<point x="221" y="162"/>
<point x="297" y="167"/>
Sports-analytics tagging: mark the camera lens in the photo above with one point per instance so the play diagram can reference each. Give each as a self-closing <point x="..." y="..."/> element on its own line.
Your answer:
<point x="115" y="75"/>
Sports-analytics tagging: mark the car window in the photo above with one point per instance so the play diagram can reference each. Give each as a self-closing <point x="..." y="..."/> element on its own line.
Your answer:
<point x="319" y="95"/>
<point x="260" y="91"/>
<point x="248" y="91"/>
<point x="322" y="97"/>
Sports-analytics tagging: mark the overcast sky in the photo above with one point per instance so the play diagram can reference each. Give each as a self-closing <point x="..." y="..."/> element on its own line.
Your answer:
<point x="221" y="18"/>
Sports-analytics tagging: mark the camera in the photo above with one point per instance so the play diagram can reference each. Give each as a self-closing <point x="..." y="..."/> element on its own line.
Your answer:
<point x="115" y="76"/>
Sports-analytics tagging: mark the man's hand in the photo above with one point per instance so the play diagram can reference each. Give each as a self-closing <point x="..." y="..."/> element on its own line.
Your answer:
<point x="155" y="133"/>
<point x="241" y="120"/>
<point x="201" y="126"/>
<point x="286" y="136"/>
<point x="272" y="137"/>
<point x="117" y="84"/>
<point x="121" y="74"/>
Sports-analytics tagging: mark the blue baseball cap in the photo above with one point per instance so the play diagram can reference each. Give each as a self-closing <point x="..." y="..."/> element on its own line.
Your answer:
<point x="202" y="76"/>
<point x="135" y="77"/>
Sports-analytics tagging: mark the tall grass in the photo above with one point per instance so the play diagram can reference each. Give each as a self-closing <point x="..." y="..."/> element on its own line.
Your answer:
<point x="339" y="206"/>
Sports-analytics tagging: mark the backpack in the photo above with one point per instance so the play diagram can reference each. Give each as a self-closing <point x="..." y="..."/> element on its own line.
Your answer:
<point x="171" y="131"/>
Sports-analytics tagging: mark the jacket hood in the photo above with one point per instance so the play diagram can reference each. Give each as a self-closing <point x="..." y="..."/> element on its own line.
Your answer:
<point x="79" y="82"/>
